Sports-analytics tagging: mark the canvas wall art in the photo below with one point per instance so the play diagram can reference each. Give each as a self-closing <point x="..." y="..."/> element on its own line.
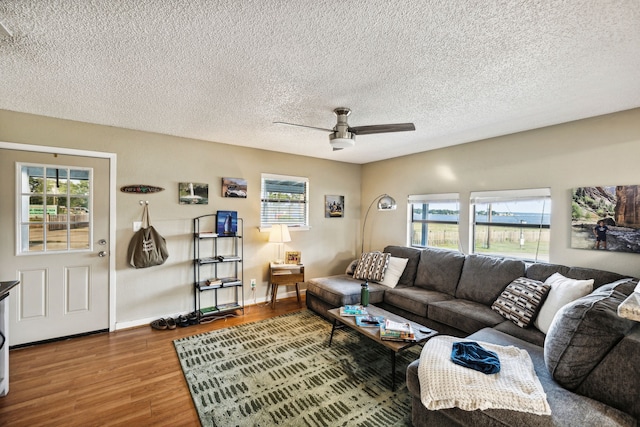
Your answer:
<point x="333" y="206"/>
<point x="606" y="218"/>
<point x="234" y="187"/>
<point x="193" y="193"/>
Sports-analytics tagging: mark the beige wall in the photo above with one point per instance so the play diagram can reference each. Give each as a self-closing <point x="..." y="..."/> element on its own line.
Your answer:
<point x="147" y="158"/>
<point x="600" y="151"/>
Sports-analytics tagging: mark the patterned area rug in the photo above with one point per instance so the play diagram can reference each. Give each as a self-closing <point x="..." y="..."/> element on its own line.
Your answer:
<point x="281" y="372"/>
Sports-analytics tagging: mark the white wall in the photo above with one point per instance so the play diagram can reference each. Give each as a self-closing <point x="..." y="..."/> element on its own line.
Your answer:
<point x="600" y="151"/>
<point x="164" y="161"/>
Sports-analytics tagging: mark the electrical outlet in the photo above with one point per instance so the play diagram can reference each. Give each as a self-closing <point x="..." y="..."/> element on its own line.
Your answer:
<point x="137" y="225"/>
<point x="253" y="283"/>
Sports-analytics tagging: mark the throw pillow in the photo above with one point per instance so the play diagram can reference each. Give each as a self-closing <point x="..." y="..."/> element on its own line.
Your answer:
<point x="394" y="271"/>
<point x="351" y="268"/>
<point x="372" y="266"/>
<point x="563" y="291"/>
<point x="521" y="300"/>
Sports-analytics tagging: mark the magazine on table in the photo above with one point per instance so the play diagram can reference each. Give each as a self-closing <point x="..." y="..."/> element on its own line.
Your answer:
<point x="370" y="321"/>
<point x="392" y="325"/>
<point x="353" y="310"/>
<point x="397" y="335"/>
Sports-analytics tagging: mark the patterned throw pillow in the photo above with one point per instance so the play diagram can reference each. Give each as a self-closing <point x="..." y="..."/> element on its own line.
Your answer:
<point x="372" y="266"/>
<point x="521" y="300"/>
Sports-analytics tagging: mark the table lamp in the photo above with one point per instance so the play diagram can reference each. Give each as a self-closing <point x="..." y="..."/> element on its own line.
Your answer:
<point x="280" y="235"/>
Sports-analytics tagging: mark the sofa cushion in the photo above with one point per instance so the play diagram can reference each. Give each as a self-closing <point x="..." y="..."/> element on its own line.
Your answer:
<point x="413" y="299"/>
<point x="351" y="268"/>
<point x="394" y="271"/>
<point x="581" y="335"/>
<point x="439" y="270"/>
<point x="563" y="291"/>
<point x="521" y="300"/>
<point x="372" y="266"/>
<point x="530" y="334"/>
<point x="467" y="316"/>
<point x="343" y="289"/>
<point x="413" y="255"/>
<point x="483" y="277"/>
<point x="541" y="270"/>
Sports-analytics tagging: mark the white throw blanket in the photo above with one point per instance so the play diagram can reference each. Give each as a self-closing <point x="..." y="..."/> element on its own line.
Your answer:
<point x="444" y="384"/>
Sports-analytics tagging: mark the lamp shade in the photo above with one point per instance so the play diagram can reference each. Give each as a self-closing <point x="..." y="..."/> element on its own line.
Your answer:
<point x="279" y="234"/>
<point x="386" y="203"/>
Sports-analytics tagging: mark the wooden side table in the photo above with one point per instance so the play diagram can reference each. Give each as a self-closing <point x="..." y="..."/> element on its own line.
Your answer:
<point x="285" y="274"/>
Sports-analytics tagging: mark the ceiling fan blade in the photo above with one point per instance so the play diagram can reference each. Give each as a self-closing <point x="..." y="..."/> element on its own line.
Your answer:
<point x="368" y="130"/>
<point x="303" y="126"/>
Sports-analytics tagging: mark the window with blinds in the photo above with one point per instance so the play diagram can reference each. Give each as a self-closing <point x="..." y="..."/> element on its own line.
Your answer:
<point x="284" y="200"/>
<point x="434" y="220"/>
<point x="513" y="223"/>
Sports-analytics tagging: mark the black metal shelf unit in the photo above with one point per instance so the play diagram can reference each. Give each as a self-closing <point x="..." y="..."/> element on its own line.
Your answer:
<point x="217" y="266"/>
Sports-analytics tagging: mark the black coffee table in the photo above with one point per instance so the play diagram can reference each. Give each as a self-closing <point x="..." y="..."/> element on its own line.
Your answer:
<point x="422" y="333"/>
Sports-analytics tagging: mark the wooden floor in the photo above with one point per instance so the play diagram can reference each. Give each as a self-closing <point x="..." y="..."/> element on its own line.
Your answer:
<point x="130" y="377"/>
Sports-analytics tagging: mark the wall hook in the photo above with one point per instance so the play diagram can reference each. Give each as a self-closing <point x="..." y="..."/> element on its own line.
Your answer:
<point x="144" y="202"/>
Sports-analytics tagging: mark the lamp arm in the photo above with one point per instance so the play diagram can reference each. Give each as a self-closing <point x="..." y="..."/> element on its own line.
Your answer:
<point x="365" y="220"/>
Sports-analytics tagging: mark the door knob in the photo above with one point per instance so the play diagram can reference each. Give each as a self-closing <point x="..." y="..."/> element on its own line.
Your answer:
<point x="102" y="254"/>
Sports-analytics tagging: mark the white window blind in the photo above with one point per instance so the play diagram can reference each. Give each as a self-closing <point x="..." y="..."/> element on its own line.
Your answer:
<point x="284" y="200"/>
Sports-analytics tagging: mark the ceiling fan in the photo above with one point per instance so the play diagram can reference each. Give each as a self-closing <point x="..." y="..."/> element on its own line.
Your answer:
<point x="344" y="136"/>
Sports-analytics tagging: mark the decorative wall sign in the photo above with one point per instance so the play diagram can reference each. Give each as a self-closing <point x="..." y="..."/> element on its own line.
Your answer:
<point x="140" y="189"/>
<point x="193" y="193"/>
<point x="606" y="218"/>
<point x="234" y="187"/>
<point x="333" y="206"/>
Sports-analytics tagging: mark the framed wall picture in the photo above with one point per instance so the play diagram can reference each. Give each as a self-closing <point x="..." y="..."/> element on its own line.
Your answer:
<point x="333" y="206"/>
<point x="606" y="218"/>
<point x="234" y="187"/>
<point x="193" y="193"/>
<point x="292" y="257"/>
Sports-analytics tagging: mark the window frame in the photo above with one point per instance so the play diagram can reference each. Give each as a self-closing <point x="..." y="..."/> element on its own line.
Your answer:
<point x="425" y="200"/>
<point x="511" y="196"/>
<point x="23" y="190"/>
<point x="266" y="211"/>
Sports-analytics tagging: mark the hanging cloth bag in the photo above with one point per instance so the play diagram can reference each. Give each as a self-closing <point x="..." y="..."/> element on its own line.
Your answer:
<point x="147" y="247"/>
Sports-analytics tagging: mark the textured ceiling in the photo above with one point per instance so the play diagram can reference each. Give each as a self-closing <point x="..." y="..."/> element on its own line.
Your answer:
<point x="224" y="71"/>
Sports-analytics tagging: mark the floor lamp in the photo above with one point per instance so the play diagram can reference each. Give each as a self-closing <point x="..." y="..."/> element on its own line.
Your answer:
<point x="385" y="203"/>
<point x="280" y="235"/>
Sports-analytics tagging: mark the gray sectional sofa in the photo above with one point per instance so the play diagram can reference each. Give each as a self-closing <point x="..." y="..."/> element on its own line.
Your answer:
<point x="588" y="362"/>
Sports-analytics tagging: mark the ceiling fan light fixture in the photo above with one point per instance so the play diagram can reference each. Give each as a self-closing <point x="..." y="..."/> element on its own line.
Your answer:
<point x="342" y="139"/>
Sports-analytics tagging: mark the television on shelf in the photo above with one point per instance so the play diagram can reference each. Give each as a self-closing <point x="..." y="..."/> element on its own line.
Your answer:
<point x="227" y="223"/>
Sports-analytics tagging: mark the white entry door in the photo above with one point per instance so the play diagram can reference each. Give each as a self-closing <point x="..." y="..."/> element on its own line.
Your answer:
<point x="54" y="226"/>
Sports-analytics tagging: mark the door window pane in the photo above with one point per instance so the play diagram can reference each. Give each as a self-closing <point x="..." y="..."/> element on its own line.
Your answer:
<point x="54" y="208"/>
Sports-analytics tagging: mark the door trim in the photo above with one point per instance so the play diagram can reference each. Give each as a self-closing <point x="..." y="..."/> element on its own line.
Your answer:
<point x="112" y="157"/>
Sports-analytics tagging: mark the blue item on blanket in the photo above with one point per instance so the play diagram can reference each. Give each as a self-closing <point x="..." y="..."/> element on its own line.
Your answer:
<point x="472" y="355"/>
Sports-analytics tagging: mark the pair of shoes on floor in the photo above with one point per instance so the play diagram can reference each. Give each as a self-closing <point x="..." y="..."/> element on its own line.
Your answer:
<point x="161" y="324"/>
<point x="182" y="321"/>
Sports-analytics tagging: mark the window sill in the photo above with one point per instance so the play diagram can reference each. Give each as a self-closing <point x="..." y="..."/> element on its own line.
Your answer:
<point x="267" y="228"/>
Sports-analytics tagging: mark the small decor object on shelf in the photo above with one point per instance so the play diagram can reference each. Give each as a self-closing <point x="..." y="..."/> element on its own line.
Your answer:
<point x="234" y="187"/>
<point x="353" y="310"/>
<point x="333" y="206"/>
<point x="193" y="193"/>
<point x="292" y="257"/>
<point x="227" y="223"/>
<point x="370" y="321"/>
